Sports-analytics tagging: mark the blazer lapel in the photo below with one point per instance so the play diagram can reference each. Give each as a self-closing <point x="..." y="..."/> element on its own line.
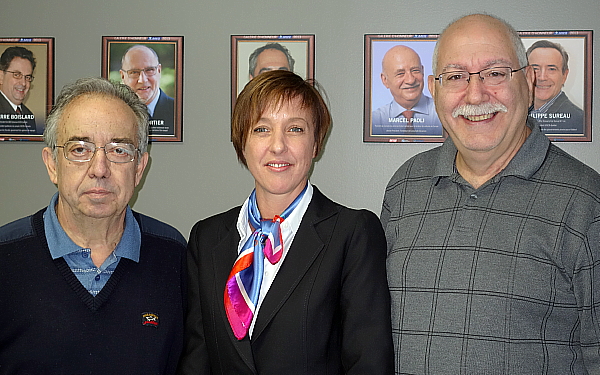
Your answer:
<point x="308" y="244"/>
<point x="224" y="257"/>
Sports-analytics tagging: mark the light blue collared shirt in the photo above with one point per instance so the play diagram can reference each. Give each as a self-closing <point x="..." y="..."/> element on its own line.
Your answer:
<point x="79" y="259"/>
<point x="388" y="119"/>
<point x="152" y="105"/>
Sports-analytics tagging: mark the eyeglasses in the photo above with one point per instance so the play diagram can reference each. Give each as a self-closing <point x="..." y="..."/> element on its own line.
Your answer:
<point x="458" y="80"/>
<point x="81" y="151"/>
<point x="135" y="73"/>
<point x="19" y="75"/>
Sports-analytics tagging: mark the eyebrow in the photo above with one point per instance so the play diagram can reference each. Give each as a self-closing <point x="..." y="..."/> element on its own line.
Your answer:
<point x="268" y="69"/>
<point x="76" y="138"/>
<point x="113" y="140"/>
<point x="291" y="119"/>
<point x="122" y="140"/>
<point x="148" y="67"/>
<point x="411" y="68"/>
<point x="487" y="65"/>
<point x="552" y="65"/>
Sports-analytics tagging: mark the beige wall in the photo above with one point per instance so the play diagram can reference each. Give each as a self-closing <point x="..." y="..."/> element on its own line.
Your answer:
<point x="200" y="177"/>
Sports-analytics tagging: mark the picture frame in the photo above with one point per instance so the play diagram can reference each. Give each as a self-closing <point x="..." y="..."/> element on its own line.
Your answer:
<point x="166" y="93"/>
<point x="383" y="118"/>
<point x="301" y="49"/>
<point x="565" y="112"/>
<point x="30" y="124"/>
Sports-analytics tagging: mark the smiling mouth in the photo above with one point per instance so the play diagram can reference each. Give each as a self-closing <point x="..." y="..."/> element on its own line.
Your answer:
<point x="479" y="112"/>
<point x="278" y="165"/>
<point x="480" y="117"/>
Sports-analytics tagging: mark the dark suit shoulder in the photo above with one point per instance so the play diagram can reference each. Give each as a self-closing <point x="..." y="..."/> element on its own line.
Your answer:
<point x="164" y="97"/>
<point x="26" y="111"/>
<point x="216" y="224"/>
<point x="5" y="106"/>
<point x="347" y="217"/>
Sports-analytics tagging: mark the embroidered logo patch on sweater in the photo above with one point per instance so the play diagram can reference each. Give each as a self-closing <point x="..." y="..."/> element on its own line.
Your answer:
<point x="150" y="319"/>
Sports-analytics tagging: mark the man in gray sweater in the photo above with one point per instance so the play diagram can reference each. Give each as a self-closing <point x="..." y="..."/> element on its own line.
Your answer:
<point x="493" y="237"/>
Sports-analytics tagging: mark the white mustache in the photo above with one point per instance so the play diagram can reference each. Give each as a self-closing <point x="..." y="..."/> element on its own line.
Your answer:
<point x="478" y="109"/>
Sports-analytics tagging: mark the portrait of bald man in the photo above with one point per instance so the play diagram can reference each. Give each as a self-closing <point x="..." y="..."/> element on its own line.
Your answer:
<point x="410" y="112"/>
<point x="141" y="70"/>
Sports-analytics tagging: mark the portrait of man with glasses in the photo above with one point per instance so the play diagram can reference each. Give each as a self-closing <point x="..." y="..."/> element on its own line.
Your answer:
<point x="16" y="74"/>
<point x="88" y="284"/>
<point x="141" y="70"/>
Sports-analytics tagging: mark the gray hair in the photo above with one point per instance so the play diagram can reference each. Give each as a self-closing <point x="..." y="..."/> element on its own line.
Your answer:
<point x="556" y="46"/>
<point x="101" y="87"/>
<point x="513" y="34"/>
<point x="252" y="61"/>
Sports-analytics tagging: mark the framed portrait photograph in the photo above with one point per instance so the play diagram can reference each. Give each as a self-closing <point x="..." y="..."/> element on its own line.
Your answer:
<point x="397" y="103"/>
<point x="26" y="87"/>
<point x="254" y="54"/>
<point x="153" y="67"/>
<point x="562" y="62"/>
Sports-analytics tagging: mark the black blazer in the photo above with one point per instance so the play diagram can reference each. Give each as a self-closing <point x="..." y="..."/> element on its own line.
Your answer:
<point x="165" y="110"/>
<point x="327" y="311"/>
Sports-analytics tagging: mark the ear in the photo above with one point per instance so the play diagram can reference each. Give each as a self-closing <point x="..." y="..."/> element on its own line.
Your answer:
<point x="50" y="164"/>
<point x="431" y="85"/>
<point x="384" y="81"/>
<point x="122" y="76"/>
<point x="159" y="68"/>
<point x="565" y="77"/>
<point x="140" y="167"/>
<point x="530" y="78"/>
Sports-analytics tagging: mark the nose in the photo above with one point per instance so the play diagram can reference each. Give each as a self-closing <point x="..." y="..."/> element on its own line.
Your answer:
<point x="99" y="165"/>
<point x="409" y="78"/>
<point x="475" y="92"/>
<point x="278" y="142"/>
<point x="23" y="79"/>
<point x="541" y="74"/>
<point x="143" y="77"/>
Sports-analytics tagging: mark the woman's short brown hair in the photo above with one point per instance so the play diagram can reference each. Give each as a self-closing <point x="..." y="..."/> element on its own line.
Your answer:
<point x="271" y="89"/>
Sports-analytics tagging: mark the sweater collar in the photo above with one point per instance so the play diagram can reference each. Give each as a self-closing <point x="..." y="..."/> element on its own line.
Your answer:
<point x="524" y="164"/>
<point x="60" y="244"/>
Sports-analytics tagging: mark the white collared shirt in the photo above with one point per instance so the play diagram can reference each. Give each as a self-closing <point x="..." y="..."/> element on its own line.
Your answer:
<point x="288" y="228"/>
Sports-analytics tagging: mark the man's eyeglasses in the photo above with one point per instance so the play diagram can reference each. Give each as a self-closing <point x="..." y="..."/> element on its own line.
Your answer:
<point x="19" y="75"/>
<point x="458" y="80"/>
<point x="135" y="73"/>
<point x="81" y="151"/>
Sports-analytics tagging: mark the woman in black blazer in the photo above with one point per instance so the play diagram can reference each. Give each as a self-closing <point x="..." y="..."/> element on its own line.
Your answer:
<point x="290" y="282"/>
